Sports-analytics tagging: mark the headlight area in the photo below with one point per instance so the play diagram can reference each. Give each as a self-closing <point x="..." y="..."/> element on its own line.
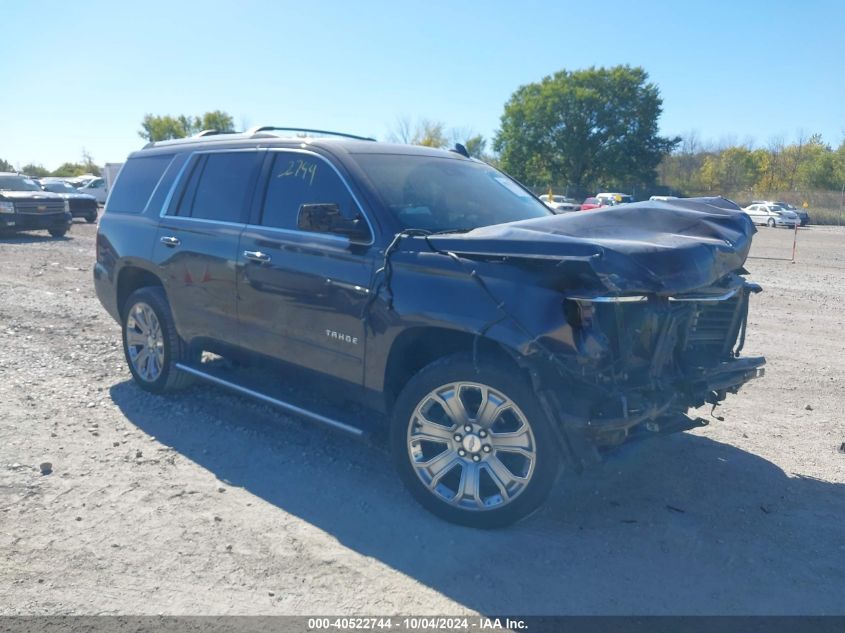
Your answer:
<point x="7" y="213"/>
<point x="593" y="318"/>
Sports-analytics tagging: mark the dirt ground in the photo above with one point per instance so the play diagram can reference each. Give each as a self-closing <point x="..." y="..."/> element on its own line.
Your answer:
<point x="207" y="503"/>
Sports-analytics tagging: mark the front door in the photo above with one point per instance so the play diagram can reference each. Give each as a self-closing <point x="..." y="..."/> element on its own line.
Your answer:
<point x="301" y="295"/>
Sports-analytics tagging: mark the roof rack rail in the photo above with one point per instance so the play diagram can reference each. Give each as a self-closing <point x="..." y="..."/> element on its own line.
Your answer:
<point x="270" y="128"/>
<point x="209" y="132"/>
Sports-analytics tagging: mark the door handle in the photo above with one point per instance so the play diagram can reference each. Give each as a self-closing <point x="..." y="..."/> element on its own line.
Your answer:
<point x="257" y="256"/>
<point x="169" y="240"/>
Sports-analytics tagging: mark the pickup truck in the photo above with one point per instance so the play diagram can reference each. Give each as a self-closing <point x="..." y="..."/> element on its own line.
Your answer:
<point x="499" y="342"/>
<point x="25" y="207"/>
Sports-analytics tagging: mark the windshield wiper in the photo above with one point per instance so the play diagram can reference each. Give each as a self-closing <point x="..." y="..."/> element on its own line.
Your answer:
<point x="445" y="231"/>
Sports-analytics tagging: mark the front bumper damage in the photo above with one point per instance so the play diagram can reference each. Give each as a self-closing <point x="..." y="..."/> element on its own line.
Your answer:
<point x="643" y="361"/>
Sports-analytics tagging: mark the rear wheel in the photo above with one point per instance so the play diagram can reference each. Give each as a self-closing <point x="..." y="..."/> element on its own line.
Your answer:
<point x="90" y="219"/>
<point x="151" y="344"/>
<point x="473" y="446"/>
<point x="771" y="222"/>
<point x="57" y="232"/>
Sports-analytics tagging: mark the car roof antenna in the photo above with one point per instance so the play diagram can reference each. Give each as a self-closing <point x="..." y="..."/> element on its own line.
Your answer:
<point x="460" y="149"/>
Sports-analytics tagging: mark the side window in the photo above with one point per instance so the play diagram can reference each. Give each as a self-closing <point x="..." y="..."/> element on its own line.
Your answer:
<point x="219" y="186"/>
<point x="297" y="179"/>
<point x="136" y="183"/>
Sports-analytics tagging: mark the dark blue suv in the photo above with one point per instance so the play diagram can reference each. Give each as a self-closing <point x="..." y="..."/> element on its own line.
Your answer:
<point x="501" y="343"/>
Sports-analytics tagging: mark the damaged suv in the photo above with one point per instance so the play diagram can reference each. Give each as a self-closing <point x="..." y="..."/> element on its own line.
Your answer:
<point x="500" y="342"/>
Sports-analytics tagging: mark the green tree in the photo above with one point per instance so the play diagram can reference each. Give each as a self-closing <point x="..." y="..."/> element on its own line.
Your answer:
<point x="584" y="127"/>
<point x="737" y="170"/>
<point x="216" y="120"/>
<point x="162" y="128"/>
<point x="32" y="169"/>
<point x="6" y="165"/>
<point x="68" y="170"/>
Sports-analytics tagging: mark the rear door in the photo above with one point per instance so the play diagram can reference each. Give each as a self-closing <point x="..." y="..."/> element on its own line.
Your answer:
<point x="197" y="242"/>
<point x="301" y="294"/>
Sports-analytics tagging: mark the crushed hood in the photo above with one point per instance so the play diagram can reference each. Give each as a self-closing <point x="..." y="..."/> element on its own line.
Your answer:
<point x="650" y="247"/>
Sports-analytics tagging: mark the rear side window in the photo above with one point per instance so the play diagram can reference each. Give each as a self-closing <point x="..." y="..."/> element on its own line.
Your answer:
<point x="136" y="183"/>
<point x="297" y="179"/>
<point x="219" y="187"/>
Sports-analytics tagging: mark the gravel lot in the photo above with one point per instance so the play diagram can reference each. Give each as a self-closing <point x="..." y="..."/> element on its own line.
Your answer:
<point x="206" y="503"/>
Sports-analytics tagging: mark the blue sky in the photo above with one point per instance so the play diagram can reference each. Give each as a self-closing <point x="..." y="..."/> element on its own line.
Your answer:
<point x="82" y="75"/>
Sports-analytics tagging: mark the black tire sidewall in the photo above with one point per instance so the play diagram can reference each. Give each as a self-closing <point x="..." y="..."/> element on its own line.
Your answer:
<point x="156" y="299"/>
<point x="501" y="377"/>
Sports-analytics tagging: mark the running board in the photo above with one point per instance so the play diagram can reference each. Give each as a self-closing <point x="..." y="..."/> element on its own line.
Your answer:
<point x="280" y="404"/>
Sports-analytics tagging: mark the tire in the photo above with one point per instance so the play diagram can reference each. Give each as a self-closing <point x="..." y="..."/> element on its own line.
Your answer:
<point x="57" y="232"/>
<point x="148" y="324"/>
<point x="771" y="223"/>
<point x="90" y="219"/>
<point x="468" y="464"/>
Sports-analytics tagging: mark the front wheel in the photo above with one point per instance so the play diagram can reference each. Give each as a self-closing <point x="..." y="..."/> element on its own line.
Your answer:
<point x="151" y="344"/>
<point x="472" y="443"/>
<point x="771" y="223"/>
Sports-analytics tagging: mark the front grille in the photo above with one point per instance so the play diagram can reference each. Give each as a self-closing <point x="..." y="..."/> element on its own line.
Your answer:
<point x="714" y="326"/>
<point x="39" y="206"/>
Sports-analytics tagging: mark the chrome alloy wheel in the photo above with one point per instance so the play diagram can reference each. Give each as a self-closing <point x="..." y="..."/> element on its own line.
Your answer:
<point x="471" y="446"/>
<point x="145" y="342"/>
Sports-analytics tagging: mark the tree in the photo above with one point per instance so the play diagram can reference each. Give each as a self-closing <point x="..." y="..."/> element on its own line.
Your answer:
<point x="6" y="165"/>
<point x="475" y="143"/>
<point x="162" y="128"/>
<point x="430" y="134"/>
<point x="584" y="127"/>
<point x="69" y="170"/>
<point x="32" y="169"/>
<point x="424" y="132"/>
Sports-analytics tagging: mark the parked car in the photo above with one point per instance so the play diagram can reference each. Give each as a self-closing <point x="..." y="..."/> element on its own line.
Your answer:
<point x="81" y="205"/>
<point x="500" y="342"/>
<point x="771" y="215"/>
<point x="614" y="198"/>
<point x="802" y="214"/>
<point x="95" y="188"/>
<point x="560" y="204"/>
<point x="593" y="203"/>
<point x="25" y="207"/>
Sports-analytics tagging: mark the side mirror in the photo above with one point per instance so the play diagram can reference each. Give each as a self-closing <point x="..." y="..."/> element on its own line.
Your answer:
<point x="327" y="218"/>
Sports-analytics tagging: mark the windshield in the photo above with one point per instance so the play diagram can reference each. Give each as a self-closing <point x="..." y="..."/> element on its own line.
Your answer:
<point x="18" y="183"/>
<point x="776" y="207"/>
<point x="447" y="194"/>
<point x="59" y="187"/>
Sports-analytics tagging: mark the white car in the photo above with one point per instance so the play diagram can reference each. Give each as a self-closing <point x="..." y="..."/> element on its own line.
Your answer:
<point x="771" y="215"/>
<point x="560" y="204"/>
<point x="96" y="188"/>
